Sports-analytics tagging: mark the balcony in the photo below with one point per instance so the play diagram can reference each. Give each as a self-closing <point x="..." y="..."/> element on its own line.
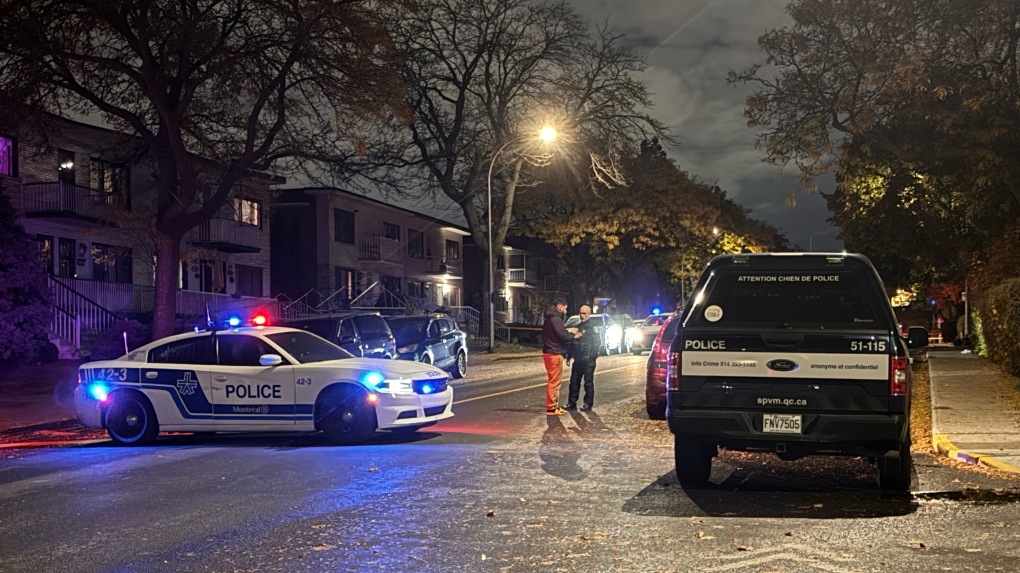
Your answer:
<point x="444" y="269"/>
<point x="380" y="249"/>
<point x="68" y="202"/>
<point x="227" y="235"/>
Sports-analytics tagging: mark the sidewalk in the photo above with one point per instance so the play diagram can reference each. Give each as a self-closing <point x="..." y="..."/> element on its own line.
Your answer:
<point x="970" y="421"/>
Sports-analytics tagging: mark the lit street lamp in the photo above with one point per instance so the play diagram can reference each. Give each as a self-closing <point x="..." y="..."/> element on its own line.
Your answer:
<point x="547" y="134"/>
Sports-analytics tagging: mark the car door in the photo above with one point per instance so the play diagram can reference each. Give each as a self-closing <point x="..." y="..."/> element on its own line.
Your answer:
<point x="376" y="340"/>
<point x="347" y="337"/>
<point x="437" y="345"/>
<point x="245" y="393"/>
<point x="178" y="378"/>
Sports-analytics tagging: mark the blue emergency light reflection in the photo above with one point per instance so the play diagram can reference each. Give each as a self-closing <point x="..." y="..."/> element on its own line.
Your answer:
<point x="372" y="379"/>
<point x="99" y="392"/>
<point x="426" y="389"/>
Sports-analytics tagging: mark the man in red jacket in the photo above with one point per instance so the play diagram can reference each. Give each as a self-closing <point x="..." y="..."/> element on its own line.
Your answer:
<point x="554" y="346"/>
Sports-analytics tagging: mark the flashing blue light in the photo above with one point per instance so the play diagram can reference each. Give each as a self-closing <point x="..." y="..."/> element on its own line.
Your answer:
<point x="372" y="379"/>
<point x="99" y="392"/>
<point x="656" y="310"/>
<point x="426" y="389"/>
<point x="234" y="321"/>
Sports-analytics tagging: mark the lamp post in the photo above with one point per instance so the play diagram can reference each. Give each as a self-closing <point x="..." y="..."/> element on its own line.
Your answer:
<point x="547" y="134"/>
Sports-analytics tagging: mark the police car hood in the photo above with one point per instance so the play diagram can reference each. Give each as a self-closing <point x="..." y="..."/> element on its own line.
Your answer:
<point x="389" y="368"/>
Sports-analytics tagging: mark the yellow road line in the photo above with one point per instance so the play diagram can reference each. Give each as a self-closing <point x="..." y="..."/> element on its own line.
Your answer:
<point x="542" y="385"/>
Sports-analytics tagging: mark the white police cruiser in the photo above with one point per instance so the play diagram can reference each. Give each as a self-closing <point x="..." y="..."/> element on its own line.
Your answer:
<point x="246" y="379"/>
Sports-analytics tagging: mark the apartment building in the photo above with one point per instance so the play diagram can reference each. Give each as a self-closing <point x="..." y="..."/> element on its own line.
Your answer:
<point x="86" y="194"/>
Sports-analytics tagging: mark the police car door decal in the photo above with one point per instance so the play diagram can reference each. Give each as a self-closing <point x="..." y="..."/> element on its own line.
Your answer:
<point x="244" y="391"/>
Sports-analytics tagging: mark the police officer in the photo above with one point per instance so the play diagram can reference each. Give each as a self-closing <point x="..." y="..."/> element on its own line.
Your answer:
<point x="583" y="351"/>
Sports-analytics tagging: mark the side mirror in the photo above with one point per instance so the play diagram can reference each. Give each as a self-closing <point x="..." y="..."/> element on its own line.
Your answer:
<point x="917" y="337"/>
<point x="270" y="360"/>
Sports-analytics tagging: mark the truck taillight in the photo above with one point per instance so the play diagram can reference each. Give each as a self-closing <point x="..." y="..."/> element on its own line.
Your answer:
<point x="898" y="375"/>
<point x="673" y="372"/>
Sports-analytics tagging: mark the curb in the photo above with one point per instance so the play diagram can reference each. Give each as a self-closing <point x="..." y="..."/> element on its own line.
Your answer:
<point x="946" y="448"/>
<point x="50" y="444"/>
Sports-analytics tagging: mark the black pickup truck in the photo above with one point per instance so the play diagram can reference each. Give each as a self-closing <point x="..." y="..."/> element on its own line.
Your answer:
<point x="795" y="354"/>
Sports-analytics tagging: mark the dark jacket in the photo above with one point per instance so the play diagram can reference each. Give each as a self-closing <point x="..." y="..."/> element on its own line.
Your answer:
<point x="585" y="349"/>
<point x="554" y="335"/>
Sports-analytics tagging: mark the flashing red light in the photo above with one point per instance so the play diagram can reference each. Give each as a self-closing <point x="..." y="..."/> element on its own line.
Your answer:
<point x="259" y="320"/>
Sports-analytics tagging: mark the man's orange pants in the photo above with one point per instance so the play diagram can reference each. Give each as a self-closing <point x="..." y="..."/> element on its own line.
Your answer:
<point x="554" y="368"/>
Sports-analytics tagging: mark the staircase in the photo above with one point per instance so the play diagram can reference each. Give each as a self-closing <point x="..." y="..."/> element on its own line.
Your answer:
<point x="76" y="321"/>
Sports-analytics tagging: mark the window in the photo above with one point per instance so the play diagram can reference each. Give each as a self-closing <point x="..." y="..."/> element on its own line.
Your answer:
<point x="415" y="244"/>
<point x="452" y="250"/>
<point x="346" y="281"/>
<point x="110" y="179"/>
<point x="45" y="243"/>
<point x="65" y="166"/>
<point x="343" y="226"/>
<point x="111" y="264"/>
<point x="66" y="263"/>
<point x="239" y="350"/>
<point x="416" y="289"/>
<point x="249" y="280"/>
<point x="391" y="284"/>
<point x="371" y="326"/>
<point x="8" y="157"/>
<point x="197" y="350"/>
<point x="391" y="231"/>
<point x="247" y="211"/>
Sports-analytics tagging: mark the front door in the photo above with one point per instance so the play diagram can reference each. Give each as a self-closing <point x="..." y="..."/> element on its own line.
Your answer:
<point x="246" y="394"/>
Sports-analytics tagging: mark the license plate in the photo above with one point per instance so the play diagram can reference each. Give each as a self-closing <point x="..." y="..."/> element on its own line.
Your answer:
<point x="781" y="423"/>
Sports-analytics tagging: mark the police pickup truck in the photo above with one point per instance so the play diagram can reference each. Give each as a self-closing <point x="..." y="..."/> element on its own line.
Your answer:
<point x="265" y="379"/>
<point x="795" y="354"/>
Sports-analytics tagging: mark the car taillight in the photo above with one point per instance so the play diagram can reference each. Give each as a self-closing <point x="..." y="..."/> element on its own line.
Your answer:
<point x="673" y="372"/>
<point x="898" y="375"/>
<point x="659" y="352"/>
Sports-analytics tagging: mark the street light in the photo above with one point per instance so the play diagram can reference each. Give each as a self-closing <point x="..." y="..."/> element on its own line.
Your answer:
<point x="547" y="134"/>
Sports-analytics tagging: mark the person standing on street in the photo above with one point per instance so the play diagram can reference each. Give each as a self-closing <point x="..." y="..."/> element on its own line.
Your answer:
<point x="583" y="351"/>
<point x="555" y="338"/>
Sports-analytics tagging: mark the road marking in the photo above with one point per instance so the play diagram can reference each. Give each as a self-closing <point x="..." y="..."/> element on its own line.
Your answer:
<point x="542" y="385"/>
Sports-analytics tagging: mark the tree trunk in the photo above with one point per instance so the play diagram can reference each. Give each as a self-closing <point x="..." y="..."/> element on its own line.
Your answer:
<point x="164" y="309"/>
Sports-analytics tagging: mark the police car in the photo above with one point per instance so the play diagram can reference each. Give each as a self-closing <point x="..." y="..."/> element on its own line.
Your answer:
<point x="263" y="379"/>
<point x="796" y="354"/>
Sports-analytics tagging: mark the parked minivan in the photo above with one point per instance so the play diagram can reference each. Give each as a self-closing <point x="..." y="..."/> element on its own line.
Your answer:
<point x="360" y="333"/>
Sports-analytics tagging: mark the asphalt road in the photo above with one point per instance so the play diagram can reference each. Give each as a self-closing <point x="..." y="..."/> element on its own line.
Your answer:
<point x="500" y="487"/>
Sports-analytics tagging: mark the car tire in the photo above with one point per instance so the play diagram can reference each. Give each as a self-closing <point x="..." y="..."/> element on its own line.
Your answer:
<point x="693" y="460"/>
<point x="894" y="473"/>
<point x="351" y="419"/>
<point x="460" y="366"/>
<point x="656" y="411"/>
<point x="426" y="359"/>
<point x="130" y="419"/>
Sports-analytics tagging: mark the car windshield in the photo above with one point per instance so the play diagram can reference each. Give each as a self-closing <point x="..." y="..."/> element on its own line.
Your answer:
<point x="306" y="347"/>
<point x="408" y="330"/>
<point x="656" y="320"/>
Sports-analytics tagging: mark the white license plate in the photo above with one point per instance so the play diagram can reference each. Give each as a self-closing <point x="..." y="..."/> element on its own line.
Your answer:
<point x="781" y="423"/>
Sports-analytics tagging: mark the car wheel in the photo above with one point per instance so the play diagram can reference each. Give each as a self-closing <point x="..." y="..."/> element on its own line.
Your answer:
<point x="426" y="359"/>
<point x="693" y="460"/>
<point x="894" y="473"/>
<point x="460" y="368"/>
<point x="130" y="419"/>
<point x="656" y="411"/>
<point x="352" y="419"/>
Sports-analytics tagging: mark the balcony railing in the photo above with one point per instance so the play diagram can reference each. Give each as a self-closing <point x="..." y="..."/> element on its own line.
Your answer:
<point x="381" y="249"/>
<point x="227" y="235"/>
<point x="123" y="298"/>
<point x="66" y="200"/>
<point x="440" y="267"/>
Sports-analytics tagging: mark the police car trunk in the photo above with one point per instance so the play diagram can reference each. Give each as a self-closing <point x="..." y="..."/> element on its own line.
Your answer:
<point x="792" y="354"/>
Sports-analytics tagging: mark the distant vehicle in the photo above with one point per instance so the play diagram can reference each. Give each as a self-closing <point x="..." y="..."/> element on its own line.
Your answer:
<point x="640" y="338"/>
<point x="257" y="379"/>
<point x="433" y="339"/>
<point x="655" y="371"/>
<point x="609" y="331"/>
<point x="792" y="353"/>
<point x="363" y="334"/>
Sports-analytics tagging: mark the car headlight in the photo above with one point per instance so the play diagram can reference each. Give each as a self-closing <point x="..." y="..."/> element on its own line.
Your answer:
<point x="407" y="349"/>
<point x="378" y="382"/>
<point x="613" y="333"/>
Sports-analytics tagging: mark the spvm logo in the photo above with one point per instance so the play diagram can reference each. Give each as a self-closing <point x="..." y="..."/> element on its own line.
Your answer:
<point x="782" y="365"/>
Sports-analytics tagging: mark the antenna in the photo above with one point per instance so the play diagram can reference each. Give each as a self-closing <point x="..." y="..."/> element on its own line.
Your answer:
<point x="125" y="343"/>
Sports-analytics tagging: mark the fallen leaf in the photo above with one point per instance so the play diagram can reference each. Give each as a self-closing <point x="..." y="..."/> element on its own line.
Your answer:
<point x="373" y="469"/>
<point x="490" y="513"/>
<point x="745" y="548"/>
<point x="788" y="534"/>
<point x="972" y="550"/>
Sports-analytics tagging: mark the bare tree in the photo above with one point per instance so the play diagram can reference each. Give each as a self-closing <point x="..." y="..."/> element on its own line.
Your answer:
<point x="483" y="76"/>
<point x="214" y="89"/>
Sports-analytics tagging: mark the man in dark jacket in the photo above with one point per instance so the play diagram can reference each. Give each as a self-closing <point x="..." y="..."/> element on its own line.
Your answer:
<point x="554" y="346"/>
<point x="583" y="351"/>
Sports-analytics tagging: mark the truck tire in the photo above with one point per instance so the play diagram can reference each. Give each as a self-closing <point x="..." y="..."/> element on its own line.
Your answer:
<point x="894" y="473"/>
<point x="693" y="460"/>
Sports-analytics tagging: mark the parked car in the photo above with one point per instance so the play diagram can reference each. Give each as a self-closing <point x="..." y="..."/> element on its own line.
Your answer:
<point x="257" y="379"/>
<point x="360" y="333"/>
<point x="611" y="333"/>
<point x="433" y="339"/>
<point x="641" y="338"/>
<point x="655" y="371"/>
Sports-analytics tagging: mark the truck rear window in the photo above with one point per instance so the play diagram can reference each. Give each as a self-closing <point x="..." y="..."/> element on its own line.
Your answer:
<point x="778" y="299"/>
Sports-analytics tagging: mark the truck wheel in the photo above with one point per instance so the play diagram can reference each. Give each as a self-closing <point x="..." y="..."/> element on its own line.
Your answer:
<point x="656" y="411"/>
<point x="894" y="473"/>
<point x="693" y="460"/>
<point x="130" y="419"/>
<point x="351" y="420"/>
